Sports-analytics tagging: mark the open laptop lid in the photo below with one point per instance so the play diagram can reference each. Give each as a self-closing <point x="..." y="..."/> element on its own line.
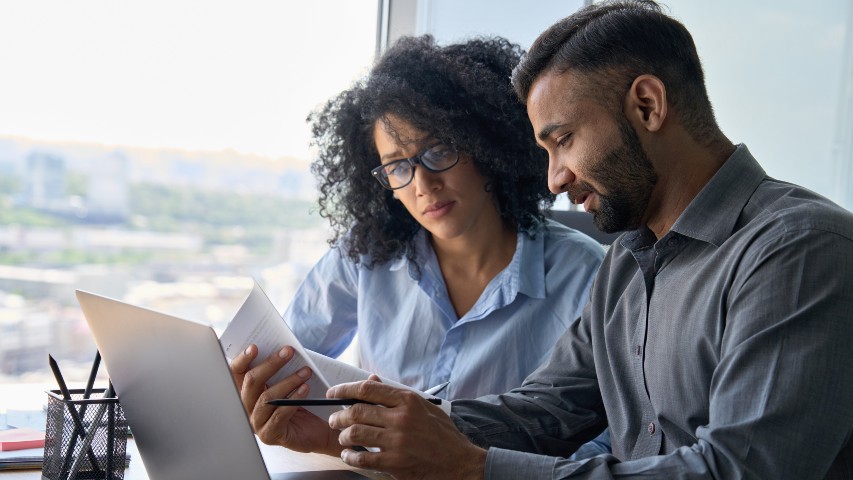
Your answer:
<point x="176" y="391"/>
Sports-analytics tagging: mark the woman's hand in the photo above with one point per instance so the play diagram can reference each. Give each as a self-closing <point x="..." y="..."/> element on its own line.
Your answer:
<point x="291" y="427"/>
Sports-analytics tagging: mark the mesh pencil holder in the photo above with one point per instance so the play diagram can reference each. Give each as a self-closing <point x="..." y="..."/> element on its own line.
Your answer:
<point x="84" y="438"/>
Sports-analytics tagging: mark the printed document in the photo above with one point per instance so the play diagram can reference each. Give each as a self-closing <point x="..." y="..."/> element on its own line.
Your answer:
<point x="257" y="322"/>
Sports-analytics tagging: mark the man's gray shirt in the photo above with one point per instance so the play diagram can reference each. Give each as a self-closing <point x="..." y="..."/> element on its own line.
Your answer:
<point x="722" y="350"/>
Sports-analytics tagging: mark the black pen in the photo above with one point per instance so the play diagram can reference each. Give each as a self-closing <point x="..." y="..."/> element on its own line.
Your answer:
<point x="75" y="415"/>
<point x="316" y="402"/>
<point x="89" y="384"/>
<point x="111" y="424"/>
<point x="92" y="374"/>
<point x="87" y="392"/>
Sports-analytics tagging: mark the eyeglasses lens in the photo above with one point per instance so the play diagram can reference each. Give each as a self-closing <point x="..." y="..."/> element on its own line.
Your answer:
<point x="399" y="173"/>
<point x="439" y="158"/>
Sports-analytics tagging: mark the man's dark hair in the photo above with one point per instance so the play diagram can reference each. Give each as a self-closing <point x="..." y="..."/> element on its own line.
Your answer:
<point x="458" y="94"/>
<point x="611" y="44"/>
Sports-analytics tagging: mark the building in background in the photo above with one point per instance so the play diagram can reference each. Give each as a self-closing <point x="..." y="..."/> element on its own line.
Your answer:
<point x="44" y="182"/>
<point x="108" y="194"/>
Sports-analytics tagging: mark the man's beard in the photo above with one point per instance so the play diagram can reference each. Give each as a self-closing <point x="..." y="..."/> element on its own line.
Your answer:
<point x="628" y="176"/>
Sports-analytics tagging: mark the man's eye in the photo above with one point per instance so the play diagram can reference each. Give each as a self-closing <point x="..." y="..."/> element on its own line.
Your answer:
<point x="564" y="139"/>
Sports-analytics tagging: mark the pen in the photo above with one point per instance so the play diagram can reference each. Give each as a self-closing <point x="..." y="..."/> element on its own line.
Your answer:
<point x="434" y="390"/>
<point x="87" y="392"/>
<point x="92" y="374"/>
<point x="314" y="402"/>
<point x="75" y="417"/>
<point x="93" y="431"/>
<point x="89" y="384"/>
<point x="111" y="425"/>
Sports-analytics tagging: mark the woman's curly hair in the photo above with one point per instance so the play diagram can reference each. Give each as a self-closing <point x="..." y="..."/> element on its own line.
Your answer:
<point x="459" y="94"/>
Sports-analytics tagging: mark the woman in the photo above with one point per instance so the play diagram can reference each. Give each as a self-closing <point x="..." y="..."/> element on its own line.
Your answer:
<point x="443" y="262"/>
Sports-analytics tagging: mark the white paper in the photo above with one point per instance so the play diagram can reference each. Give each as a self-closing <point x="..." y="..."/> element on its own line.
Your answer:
<point x="336" y="371"/>
<point x="257" y="322"/>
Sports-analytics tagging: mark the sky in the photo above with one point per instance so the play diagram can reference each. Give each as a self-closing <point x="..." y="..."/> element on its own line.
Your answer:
<point x="210" y="75"/>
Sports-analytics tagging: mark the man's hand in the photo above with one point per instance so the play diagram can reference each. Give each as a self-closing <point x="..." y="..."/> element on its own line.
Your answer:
<point x="292" y="427"/>
<point x="416" y="438"/>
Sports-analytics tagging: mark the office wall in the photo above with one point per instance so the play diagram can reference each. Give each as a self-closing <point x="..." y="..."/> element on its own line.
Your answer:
<point x="777" y="72"/>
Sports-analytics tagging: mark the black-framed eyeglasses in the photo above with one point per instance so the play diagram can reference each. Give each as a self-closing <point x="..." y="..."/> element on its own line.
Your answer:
<point x="399" y="173"/>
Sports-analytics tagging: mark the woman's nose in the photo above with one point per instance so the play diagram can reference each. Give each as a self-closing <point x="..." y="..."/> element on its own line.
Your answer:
<point x="426" y="181"/>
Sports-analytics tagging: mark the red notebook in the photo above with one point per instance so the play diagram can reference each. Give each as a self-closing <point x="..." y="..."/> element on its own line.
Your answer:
<point x="21" y="438"/>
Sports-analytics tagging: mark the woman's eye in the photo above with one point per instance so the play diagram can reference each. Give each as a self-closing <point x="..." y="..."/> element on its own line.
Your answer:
<point x="434" y="157"/>
<point x="438" y="154"/>
<point x="438" y="151"/>
<point x="399" y="169"/>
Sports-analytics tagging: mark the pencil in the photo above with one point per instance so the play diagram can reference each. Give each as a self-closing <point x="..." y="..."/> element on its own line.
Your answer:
<point x="315" y="402"/>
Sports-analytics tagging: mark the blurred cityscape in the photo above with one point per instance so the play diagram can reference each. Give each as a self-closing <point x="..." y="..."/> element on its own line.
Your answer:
<point x="176" y="231"/>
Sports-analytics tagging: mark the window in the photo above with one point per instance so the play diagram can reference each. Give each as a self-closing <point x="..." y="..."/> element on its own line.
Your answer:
<point x="780" y="77"/>
<point x="779" y="74"/>
<point x="157" y="152"/>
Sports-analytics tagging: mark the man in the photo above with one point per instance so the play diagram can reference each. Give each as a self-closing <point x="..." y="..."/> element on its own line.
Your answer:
<point x="719" y="332"/>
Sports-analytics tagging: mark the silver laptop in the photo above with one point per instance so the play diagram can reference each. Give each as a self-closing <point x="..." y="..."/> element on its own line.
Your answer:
<point x="177" y="393"/>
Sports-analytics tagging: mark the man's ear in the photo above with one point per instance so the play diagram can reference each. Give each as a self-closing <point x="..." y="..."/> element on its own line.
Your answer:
<point x="645" y="102"/>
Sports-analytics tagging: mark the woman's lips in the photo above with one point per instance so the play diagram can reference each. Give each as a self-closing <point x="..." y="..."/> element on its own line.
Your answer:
<point x="439" y="209"/>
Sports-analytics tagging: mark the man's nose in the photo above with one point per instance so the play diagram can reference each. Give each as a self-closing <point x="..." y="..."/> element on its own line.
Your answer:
<point x="560" y="177"/>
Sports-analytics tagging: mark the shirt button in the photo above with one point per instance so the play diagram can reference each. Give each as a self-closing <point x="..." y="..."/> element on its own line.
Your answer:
<point x="651" y="428"/>
<point x="672" y="242"/>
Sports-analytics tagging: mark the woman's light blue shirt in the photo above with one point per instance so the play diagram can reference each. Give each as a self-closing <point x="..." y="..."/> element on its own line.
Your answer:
<point x="409" y="331"/>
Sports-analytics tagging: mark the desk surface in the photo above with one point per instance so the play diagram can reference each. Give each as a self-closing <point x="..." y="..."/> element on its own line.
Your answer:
<point x="278" y="459"/>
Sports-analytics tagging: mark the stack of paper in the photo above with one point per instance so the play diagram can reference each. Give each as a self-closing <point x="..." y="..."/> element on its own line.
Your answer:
<point x="30" y="459"/>
<point x="21" y="449"/>
<point x="20" y="438"/>
<point x="27" y="459"/>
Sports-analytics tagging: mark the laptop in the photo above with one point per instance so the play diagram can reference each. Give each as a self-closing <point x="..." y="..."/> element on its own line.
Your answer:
<point x="178" y="395"/>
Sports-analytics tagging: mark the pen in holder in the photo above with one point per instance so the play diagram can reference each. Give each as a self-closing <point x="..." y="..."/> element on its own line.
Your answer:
<point x="84" y="437"/>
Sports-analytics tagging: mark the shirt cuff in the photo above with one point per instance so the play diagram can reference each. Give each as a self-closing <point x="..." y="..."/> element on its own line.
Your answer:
<point x="511" y="465"/>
